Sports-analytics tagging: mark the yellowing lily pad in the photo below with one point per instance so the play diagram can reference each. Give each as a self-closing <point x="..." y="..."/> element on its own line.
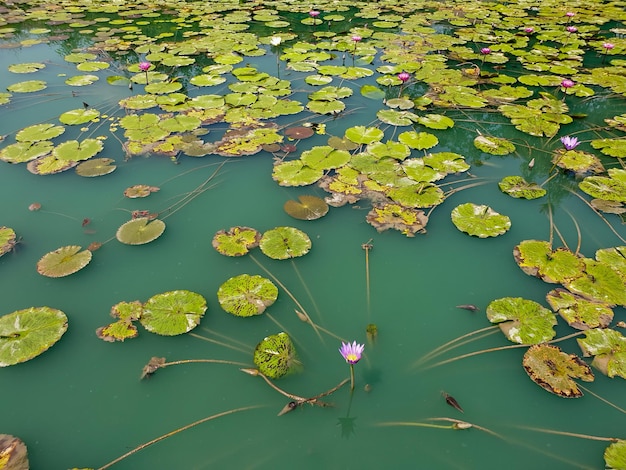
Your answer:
<point x="480" y="220"/>
<point x="494" y="145"/>
<point x="276" y="356"/>
<point x="27" y="333"/>
<point x="308" y="207"/>
<point x="139" y="190"/>
<point x="7" y="240"/>
<point x="237" y="241"/>
<point x="63" y="261"/>
<point x="96" y="167"/>
<point x="608" y="348"/>
<point x="579" y="312"/>
<point x="246" y="295"/>
<point x="555" y="371"/>
<point x="140" y="231"/>
<point x="13" y="453"/>
<point x="173" y="313"/>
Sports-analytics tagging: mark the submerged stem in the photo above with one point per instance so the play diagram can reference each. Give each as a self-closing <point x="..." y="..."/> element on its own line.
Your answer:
<point x="622" y="410"/>
<point x="570" y="434"/>
<point x="176" y="431"/>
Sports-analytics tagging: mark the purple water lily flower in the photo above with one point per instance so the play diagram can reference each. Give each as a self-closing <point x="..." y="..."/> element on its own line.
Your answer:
<point x="571" y="29"/>
<point x="356" y="38"/>
<point x="144" y="66"/>
<point x="567" y="83"/>
<point x="529" y="29"/>
<point x="314" y="13"/>
<point x="485" y="50"/>
<point x="608" y="45"/>
<point x="351" y="352"/>
<point x="570" y="143"/>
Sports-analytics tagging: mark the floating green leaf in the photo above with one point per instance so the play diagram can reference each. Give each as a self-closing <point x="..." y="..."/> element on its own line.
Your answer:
<point x="79" y="116"/>
<point x="306" y="208"/>
<point x="599" y="282"/>
<point x="579" y="312"/>
<point x="39" y="132"/>
<point x="276" y="356"/>
<point x="418" y="140"/>
<point x="364" y="135"/>
<point x="480" y="220"/>
<point x="21" y="152"/>
<point x="140" y="231"/>
<point x="521" y="320"/>
<point x="96" y="167"/>
<point x="608" y="348"/>
<point x="237" y="241"/>
<point x="537" y="258"/>
<point x="28" y="86"/>
<point x="494" y="145"/>
<point x="285" y="243"/>
<point x="611" y="188"/>
<point x="615" y="455"/>
<point x="7" y="240"/>
<point x="63" y="261"/>
<point x="518" y="187"/>
<point x="25" y="334"/>
<point x="173" y="313"/>
<point x="555" y="371"/>
<point x="74" y="151"/>
<point x="246" y="295"/>
<point x="407" y="220"/>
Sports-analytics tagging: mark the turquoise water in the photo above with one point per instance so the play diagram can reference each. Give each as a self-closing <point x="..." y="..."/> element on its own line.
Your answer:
<point x="81" y="404"/>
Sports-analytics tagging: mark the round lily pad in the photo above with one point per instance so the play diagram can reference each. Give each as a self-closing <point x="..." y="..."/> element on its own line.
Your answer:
<point x="95" y="167"/>
<point x="237" y="241"/>
<point x="7" y="240"/>
<point x="599" y="282"/>
<point x="518" y="187"/>
<point x="246" y="295"/>
<point x="521" y="320"/>
<point x="480" y="220"/>
<point x="494" y="145"/>
<point x="28" y="86"/>
<point x="39" y="132"/>
<point x="139" y="190"/>
<point x="27" y="333"/>
<point x="537" y="258"/>
<point x="285" y="243"/>
<point x="276" y="356"/>
<point x="308" y="207"/>
<point x="140" y="231"/>
<point x="63" y="261"/>
<point x="615" y="455"/>
<point x="555" y="371"/>
<point x="173" y="313"/>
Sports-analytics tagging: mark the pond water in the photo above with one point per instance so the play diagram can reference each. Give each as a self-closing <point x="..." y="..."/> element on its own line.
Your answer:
<point x="81" y="403"/>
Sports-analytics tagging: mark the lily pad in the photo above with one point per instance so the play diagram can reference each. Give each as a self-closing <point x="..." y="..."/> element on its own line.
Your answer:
<point x="518" y="187"/>
<point x="537" y="258"/>
<point x="28" y="86"/>
<point x="173" y="313"/>
<point x="608" y="348"/>
<point x="407" y="220"/>
<point x="140" y="231"/>
<point x="39" y="132"/>
<point x="276" y="356"/>
<point x="555" y="371"/>
<point x="7" y="240"/>
<point x="285" y="243"/>
<point x="364" y="135"/>
<point x="63" y="261"/>
<point x="577" y="162"/>
<point x="308" y="207"/>
<point x="117" y="331"/>
<point x="615" y="455"/>
<point x="521" y="320"/>
<point x="96" y="167"/>
<point x="246" y="295"/>
<point x="139" y="190"/>
<point x="611" y="188"/>
<point x="25" y="334"/>
<point x="579" y="312"/>
<point x="599" y="282"/>
<point x="237" y="241"/>
<point x="79" y="116"/>
<point x="494" y="145"/>
<point x="480" y="220"/>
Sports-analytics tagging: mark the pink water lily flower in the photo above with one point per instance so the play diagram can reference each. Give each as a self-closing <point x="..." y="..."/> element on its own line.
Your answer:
<point x="608" y="45"/>
<point x="144" y="66"/>
<point x="529" y="30"/>
<point x="314" y="13"/>
<point x="570" y="143"/>
<point x="485" y="50"/>
<point x="570" y="14"/>
<point x="356" y="38"/>
<point x="567" y="83"/>
<point x="571" y="29"/>
<point x="404" y="77"/>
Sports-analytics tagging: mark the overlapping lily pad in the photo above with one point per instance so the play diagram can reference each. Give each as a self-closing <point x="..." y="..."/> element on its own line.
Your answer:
<point x="276" y="356"/>
<point x="246" y="295"/>
<point x="608" y="348"/>
<point x="173" y="313"/>
<point x="25" y="334"/>
<point x="537" y="258"/>
<point x="123" y="328"/>
<point x="555" y="370"/>
<point x="578" y="312"/>
<point x="63" y="261"/>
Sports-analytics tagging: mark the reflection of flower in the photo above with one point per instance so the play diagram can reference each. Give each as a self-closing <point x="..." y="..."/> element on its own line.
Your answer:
<point x="570" y="143"/>
<point x="144" y="66"/>
<point x="567" y="83"/>
<point x="351" y="352"/>
<point x="485" y="50"/>
<point x="404" y="77"/>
